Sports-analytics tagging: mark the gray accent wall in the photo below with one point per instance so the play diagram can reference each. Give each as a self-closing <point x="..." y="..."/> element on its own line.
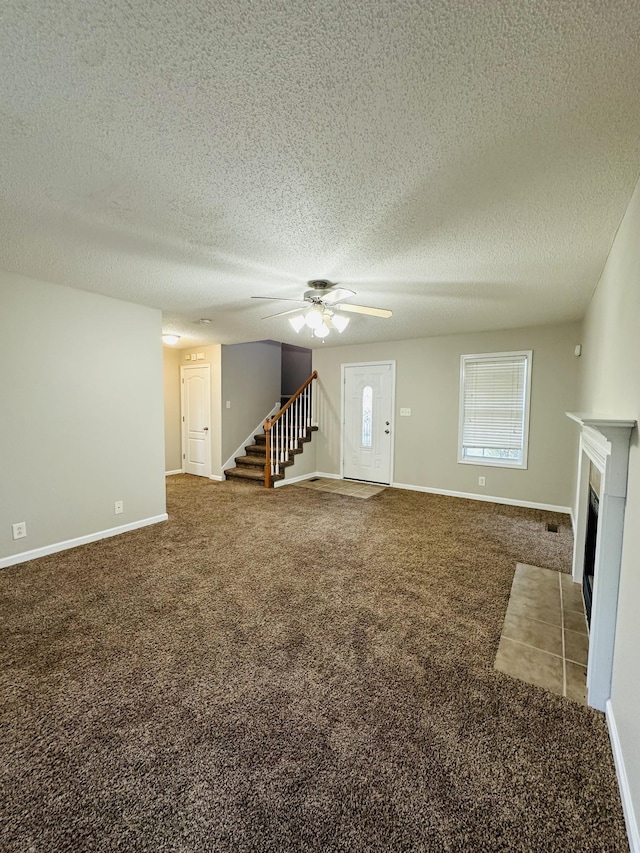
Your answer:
<point x="427" y="382"/>
<point x="611" y="387"/>
<point x="296" y="368"/>
<point x="251" y="384"/>
<point x="81" y="413"/>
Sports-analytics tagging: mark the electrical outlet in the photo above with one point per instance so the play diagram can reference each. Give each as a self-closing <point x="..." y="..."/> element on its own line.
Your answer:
<point x="482" y="481"/>
<point x="118" y="507"/>
<point x="228" y="404"/>
<point x="19" y="530"/>
<point x="405" y="413"/>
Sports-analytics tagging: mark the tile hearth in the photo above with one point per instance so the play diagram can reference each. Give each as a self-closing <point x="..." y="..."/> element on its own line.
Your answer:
<point x="544" y="637"/>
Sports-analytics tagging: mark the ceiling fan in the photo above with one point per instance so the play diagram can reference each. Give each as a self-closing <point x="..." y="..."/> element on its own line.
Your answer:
<point x="327" y="304"/>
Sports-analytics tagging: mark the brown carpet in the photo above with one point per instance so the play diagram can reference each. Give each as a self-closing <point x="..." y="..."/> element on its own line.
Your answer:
<point x="292" y="670"/>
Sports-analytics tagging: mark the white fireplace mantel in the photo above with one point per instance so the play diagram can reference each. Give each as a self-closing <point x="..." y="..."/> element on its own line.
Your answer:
<point x="605" y="443"/>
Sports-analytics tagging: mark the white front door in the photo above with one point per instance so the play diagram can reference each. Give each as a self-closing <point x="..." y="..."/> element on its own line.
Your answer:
<point x="196" y="416"/>
<point x="368" y="423"/>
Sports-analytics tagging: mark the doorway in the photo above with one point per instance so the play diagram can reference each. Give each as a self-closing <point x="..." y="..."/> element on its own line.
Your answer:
<point x="196" y="416"/>
<point x="367" y="424"/>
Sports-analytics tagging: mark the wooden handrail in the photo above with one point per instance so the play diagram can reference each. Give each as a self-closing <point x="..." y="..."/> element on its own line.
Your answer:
<point x="269" y="423"/>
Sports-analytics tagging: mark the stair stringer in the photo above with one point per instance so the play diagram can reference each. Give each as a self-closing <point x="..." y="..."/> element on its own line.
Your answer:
<point x="239" y="451"/>
<point x="305" y="463"/>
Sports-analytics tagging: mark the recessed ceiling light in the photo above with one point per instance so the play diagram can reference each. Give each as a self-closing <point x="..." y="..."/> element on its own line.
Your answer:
<point x="205" y="321"/>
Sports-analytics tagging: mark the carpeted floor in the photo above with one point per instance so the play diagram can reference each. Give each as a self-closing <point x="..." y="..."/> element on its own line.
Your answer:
<point x="292" y="670"/>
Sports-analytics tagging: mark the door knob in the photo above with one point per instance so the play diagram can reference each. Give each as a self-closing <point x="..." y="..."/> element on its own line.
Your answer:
<point x="206" y="429"/>
<point x="387" y="431"/>
<point x="386" y="423"/>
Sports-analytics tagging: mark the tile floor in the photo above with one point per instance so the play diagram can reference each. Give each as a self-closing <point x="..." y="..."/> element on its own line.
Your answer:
<point x="342" y="487"/>
<point x="544" y="637"/>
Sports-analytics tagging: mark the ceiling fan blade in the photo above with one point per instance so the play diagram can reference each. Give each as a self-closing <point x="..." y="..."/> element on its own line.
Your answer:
<point x="337" y="294"/>
<point x="278" y="298"/>
<point x="284" y="313"/>
<point x="327" y="320"/>
<point x="364" y="309"/>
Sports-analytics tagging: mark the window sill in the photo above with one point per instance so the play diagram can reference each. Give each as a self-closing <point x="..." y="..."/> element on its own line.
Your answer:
<point x="494" y="463"/>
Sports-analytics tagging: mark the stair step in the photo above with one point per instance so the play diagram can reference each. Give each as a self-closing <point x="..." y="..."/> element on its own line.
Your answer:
<point x="258" y="450"/>
<point x="255" y="450"/>
<point x="250" y="461"/>
<point x="257" y="462"/>
<point x="251" y="466"/>
<point x="252" y="474"/>
<point x="261" y="438"/>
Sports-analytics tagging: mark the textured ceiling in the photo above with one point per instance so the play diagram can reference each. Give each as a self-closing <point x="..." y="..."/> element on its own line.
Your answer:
<point x="463" y="163"/>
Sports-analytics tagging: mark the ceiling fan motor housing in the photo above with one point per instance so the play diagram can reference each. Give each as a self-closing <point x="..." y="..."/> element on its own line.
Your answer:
<point x="320" y="287"/>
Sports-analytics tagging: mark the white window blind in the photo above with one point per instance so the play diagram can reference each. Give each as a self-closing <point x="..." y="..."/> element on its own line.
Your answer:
<point x="494" y="408"/>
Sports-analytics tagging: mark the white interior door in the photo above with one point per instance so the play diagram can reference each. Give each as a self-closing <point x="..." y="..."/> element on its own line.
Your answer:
<point x="367" y="425"/>
<point x="196" y="415"/>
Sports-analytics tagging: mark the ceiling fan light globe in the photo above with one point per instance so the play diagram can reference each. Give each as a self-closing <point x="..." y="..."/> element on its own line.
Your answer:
<point x="339" y="322"/>
<point x="297" y="322"/>
<point x="321" y="331"/>
<point x="313" y="318"/>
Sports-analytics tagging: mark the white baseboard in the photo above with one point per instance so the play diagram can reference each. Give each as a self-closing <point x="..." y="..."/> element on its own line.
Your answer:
<point x="299" y="479"/>
<point x="80" y="540"/>
<point x="302" y="477"/>
<point x="217" y="477"/>
<point x="177" y="471"/>
<point x="468" y="495"/>
<point x="487" y="498"/>
<point x="623" y="783"/>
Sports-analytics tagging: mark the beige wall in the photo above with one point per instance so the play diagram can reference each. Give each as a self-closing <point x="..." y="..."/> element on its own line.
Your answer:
<point x="251" y="384"/>
<point x="248" y="375"/>
<point x="427" y="382"/>
<point x="81" y="414"/>
<point x="172" y="359"/>
<point x="611" y="387"/>
<point x="304" y="463"/>
<point x="211" y="356"/>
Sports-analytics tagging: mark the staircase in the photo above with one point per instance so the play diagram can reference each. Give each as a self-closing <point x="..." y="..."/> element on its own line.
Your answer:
<point x="251" y="466"/>
<point x="283" y="438"/>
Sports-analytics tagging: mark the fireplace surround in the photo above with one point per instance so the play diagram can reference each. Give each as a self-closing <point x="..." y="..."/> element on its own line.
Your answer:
<point x="603" y="456"/>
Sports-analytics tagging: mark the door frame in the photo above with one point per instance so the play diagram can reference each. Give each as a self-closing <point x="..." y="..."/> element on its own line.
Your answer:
<point x="392" y="363"/>
<point x="183" y="424"/>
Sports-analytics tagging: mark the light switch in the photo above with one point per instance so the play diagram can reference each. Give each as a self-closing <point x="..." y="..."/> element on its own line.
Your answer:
<point x="405" y="413"/>
<point x="200" y="356"/>
<point x="228" y="404"/>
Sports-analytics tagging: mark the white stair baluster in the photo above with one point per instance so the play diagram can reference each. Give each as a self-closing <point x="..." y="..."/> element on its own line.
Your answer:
<point x="288" y="431"/>
<point x="284" y="437"/>
<point x="270" y="460"/>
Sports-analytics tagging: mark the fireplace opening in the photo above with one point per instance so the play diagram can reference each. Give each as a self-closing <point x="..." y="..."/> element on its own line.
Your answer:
<point x="590" y="552"/>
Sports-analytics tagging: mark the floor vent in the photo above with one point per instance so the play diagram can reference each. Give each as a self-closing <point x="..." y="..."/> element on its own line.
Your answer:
<point x="314" y="479"/>
<point x="552" y="528"/>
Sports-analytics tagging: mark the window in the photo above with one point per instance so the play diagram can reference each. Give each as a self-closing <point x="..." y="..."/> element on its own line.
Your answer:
<point x="367" y="416"/>
<point x="494" y="408"/>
